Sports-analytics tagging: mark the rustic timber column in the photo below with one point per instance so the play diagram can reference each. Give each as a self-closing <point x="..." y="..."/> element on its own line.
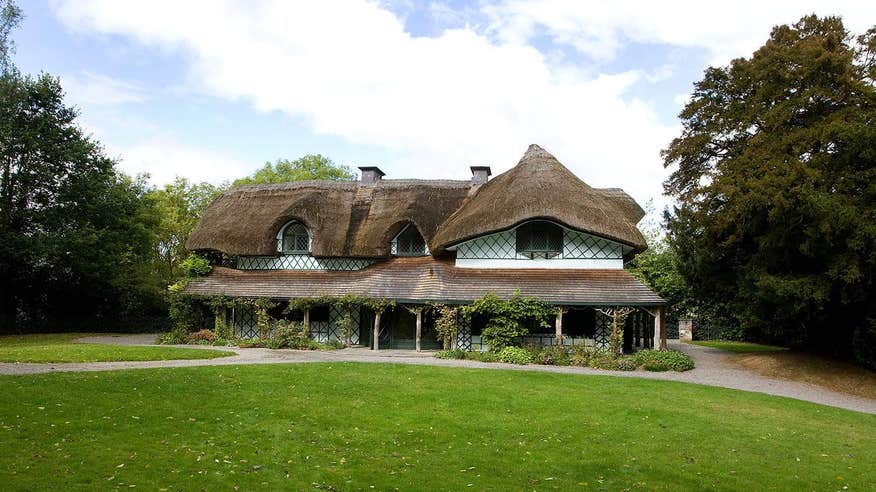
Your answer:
<point x="558" y="324"/>
<point x="419" y="326"/>
<point x="658" y="328"/>
<point x="307" y="320"/>
<point x="662" y="328"/>
<point x="376" y="330"/>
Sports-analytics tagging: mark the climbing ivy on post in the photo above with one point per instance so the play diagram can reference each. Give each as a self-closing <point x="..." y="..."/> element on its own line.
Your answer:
<point x="618" y="317"/>
<point x="263" y="319"/>
<point x="446" y="323"/>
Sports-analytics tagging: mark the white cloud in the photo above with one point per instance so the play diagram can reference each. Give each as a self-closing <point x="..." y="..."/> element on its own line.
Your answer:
<point x="164" y="158"/>
<point x="726" y="30"/>
<point x="90" y="89"/>
<point x="467" y="96"/>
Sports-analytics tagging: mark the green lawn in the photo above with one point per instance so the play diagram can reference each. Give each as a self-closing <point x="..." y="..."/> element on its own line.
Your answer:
<point x="349" y="426"/>
<point x="57" y="347"/>
<point x="738" y="347"/>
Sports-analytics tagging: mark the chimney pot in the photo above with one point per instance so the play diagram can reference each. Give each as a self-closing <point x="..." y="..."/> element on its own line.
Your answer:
<point x="480" y="175"/>
<point x="370" y="174"/>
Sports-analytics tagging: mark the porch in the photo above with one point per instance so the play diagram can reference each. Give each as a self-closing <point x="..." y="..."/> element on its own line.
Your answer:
<point x="412" y="327"/>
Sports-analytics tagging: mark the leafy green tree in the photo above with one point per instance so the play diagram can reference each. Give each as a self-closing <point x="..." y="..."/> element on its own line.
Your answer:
<point x="10" y="18"/>
<point x="658" y="267"/>
<point x="311" y="166"/>
<point x="75" y="236"/>
<point x="180" y="205"/>
<point x="775" y="177"/>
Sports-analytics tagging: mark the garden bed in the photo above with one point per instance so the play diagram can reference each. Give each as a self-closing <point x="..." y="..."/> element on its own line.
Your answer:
<point x="579" y="355"/>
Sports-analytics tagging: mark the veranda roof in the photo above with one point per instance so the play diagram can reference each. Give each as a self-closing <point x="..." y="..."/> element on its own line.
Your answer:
<point x="425" y="279"/>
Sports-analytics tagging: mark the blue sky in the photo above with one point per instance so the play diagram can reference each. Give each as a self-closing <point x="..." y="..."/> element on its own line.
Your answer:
<point x="212" y="90"/>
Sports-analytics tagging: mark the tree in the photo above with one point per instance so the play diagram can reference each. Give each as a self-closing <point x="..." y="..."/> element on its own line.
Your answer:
<point x="180" y="205"/>
<point x="307" y="167"/>
<point x="775" y="180"/>
<point x="10" y="18"/>
<point x="75" y="236"/>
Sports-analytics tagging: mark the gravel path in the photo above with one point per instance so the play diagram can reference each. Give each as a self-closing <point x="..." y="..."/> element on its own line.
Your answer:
<point x="712" y="368"/>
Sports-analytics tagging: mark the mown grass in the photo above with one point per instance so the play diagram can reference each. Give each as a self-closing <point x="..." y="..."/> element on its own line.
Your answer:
<point x="738" y="347"/>
<point x="60" y="347"/>
<point x="349" y="426"/>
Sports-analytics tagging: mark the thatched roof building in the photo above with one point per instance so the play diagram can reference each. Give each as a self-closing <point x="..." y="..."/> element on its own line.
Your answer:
<point x="536" y="229"/>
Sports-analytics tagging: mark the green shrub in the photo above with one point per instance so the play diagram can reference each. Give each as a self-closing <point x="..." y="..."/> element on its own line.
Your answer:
<point x="177" y="336"/>
<point x="451" y="354"/>
<point x="334" y="344"/>
<point x="221" y="342"/>
<point x="602" y="359"/>
<point x="201" y="337"/>
<point x="273" y="343"/>
<point x="481" y="356"/>
<point x="289" y="334"/>
<point x="581" y="355"/>
<point x="514" y="355"/>
<point x="626" y="364"/>
<point x="252" y="343"/>
<point x="663" y="360"/>
<point x="553" y="355"/>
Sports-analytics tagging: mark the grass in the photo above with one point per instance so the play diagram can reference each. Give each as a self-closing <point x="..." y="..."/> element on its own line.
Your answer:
<point x="62" y="348"/>
<point x="738" y="347"/>
<point x="349" y="426"/>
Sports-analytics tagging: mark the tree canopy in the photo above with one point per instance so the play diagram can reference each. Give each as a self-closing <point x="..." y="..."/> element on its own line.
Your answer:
<point x="775" y="178"/>
<point x="75" y="236"/>
<point x="310" y="166"/>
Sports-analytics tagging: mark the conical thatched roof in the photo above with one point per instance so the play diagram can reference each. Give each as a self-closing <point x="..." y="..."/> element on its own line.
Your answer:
<point x="355" y="219"/>
<point x="540" y="187"/>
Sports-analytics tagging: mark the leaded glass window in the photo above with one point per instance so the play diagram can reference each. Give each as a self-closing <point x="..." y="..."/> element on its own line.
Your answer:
<point x="539" y="239"/>
<point x="295" y="239"/>
<point x="409" y="242"/>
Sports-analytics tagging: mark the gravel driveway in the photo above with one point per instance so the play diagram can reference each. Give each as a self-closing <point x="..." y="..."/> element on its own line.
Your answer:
<point x="712" y="368"/>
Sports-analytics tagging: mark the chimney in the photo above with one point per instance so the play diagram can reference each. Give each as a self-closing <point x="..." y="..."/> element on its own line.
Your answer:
<point x="370" y="174"/>
<point x="480" y="175"/>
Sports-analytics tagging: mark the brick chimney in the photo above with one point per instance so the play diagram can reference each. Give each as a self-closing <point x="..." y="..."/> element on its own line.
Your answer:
<point x="370" y="174"/>
<point x="480" y="175"/>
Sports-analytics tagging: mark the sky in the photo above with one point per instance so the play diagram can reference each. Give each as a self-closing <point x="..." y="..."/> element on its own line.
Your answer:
<point x="211" y="90"/>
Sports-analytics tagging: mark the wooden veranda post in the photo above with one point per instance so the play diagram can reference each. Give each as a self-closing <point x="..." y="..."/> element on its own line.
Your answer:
<point x="419" y="326"/>
<point x="662" y="328"/>
<point x="375" y="346"/>
<point x="659" y="342"/>
<point x="307" y="320"/>
<point x="559" y="325"/>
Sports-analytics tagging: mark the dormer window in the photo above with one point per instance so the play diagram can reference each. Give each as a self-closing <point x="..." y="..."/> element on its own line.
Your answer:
<point x="294" y="239"/>
<point x="409" y="242"/>
<point x="539" y="239"/>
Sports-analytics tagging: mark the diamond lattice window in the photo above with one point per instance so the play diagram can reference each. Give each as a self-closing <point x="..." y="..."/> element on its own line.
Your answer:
<point x="539" y="239"/>
<point x="409" y="242"/>
<point x="295" y="239"/>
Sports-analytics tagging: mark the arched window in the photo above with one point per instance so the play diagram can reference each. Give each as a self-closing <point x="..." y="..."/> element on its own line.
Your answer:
<point x="409" y="242"/>
<point x="294" y="239"/>
<point x="539" y="239"/>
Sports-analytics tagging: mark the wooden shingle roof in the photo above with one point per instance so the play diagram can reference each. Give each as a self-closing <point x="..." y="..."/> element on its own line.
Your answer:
<point x="425" y="279"/>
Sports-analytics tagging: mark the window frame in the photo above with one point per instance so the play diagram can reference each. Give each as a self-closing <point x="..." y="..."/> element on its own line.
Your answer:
<point x="553" y="240"/>
<point x="285" y="231"/>
<point x="395" y="245"/>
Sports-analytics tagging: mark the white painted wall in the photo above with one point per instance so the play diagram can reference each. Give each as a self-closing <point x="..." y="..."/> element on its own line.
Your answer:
<point x="553" y="263"/>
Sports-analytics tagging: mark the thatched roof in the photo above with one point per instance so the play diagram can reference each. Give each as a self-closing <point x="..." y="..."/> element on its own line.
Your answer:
<point x="355" y="219"/>
<point x="540" y="187"/>
<point x="344" y="218"/>
<point x="425" y="279"/>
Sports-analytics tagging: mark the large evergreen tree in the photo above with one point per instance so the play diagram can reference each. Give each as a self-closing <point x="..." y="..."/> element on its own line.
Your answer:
<point x="775" y="176"/>
<point x="76" y="237"/>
